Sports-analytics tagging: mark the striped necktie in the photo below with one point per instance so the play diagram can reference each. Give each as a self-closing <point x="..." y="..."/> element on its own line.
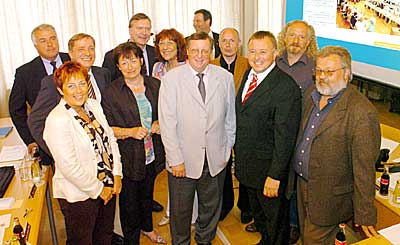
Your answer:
<point x="252" y="87"/>
<point x="91" y="92"/>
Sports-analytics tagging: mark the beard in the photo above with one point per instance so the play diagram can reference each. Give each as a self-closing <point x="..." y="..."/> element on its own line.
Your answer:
<point x="324" y="89"/>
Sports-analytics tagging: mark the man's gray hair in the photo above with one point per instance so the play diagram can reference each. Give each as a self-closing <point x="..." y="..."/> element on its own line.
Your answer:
<point x="42" y="27"/>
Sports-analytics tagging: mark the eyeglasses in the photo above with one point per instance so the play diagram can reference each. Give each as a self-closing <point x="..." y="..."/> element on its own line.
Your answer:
<point x="327" y="73"/>
<point x="201" y="52"/>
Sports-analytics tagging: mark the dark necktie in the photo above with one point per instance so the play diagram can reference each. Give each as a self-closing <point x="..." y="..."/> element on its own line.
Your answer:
<point x="91" y="93"/>
<point x="53" y="64"/>
<point x="202" y="87"/>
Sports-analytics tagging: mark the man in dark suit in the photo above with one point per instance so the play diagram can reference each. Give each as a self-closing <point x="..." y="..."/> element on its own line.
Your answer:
<point x="27" y="81"/>
<point x="336" y="149"/>
<point x="140" y="32"/>
<point x="268" y="111"/>
<point x="202" y="23"/>
<point x="237" y="65"/>
<point x="81" y="49"/>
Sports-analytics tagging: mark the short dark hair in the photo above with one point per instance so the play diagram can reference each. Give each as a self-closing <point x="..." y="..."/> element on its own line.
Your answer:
<point x="206" y="14"/>
<point x="175" y="36"/>
<point x="127" y="50"/>
<point x="68" y="70"/>
<point x="139" y="16"/>
<point x="264" y="34"/>
<point x="200" y="36"/>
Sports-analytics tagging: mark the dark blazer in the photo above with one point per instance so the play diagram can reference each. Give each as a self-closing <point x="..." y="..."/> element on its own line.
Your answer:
<point x="110" y="64"/>
<point x="121" y="110"/>
<point x="24" y="92"/>
<point x="49" y="97"/>
<point x="341" y="181"/>
<point x="267" y="126"/>
<point x="216" y="44"/>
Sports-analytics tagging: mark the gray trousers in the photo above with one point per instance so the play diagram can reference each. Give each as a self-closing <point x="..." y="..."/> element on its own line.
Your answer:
<point x="209" y="190"/>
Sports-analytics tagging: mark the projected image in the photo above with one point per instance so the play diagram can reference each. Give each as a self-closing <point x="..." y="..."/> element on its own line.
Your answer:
<point x="380" y="16"/>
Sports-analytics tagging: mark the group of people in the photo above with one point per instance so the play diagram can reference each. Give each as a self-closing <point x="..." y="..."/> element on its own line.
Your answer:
<point x="302" y="140"/>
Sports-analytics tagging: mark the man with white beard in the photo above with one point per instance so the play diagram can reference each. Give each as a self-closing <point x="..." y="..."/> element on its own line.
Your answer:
<point x="337" y="145"/>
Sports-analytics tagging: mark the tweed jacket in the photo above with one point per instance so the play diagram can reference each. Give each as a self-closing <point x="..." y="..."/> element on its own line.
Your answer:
<point x="241" y="66"/>
<point x="341" y="180"/>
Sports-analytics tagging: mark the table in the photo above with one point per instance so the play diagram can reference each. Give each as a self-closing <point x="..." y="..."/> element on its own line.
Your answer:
<point x="388" y="215"/>
<point x="20" y="190"/>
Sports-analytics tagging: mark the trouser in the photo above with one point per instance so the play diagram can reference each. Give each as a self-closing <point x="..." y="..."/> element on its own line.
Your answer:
<point x="209" y="191"/>
<point x="88" y="222"/>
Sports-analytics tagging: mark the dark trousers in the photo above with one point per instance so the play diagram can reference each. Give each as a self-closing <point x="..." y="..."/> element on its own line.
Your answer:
<point x="135" y="202"/>
<point x="271" y="217"/>
<point x="243" y="202"/>
<point x="228" y="197"/>
<point x="181" y="193"/>
<point x="88" y="222"/>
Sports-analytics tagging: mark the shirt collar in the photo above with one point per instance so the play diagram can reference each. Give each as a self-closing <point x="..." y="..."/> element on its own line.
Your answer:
<point x="205" y="71"/>
<point x="262" y="75"/>
<point x="303" y="59"/>
<point x="316" y="97"/>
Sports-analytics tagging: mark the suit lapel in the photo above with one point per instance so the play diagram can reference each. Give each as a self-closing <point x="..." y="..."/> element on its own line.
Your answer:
<point x="336" y="114"/>
<point x="266" y="85"/>
<point x="192" y="89"/>
<point x="212" y="86"/>
<point x="100" y="81"/>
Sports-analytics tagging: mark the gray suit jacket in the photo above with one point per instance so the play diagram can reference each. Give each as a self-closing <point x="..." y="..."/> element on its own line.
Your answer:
<point x="341" y="181"/>
<point x="191" y="128"/>
<point x="49" y="97"/>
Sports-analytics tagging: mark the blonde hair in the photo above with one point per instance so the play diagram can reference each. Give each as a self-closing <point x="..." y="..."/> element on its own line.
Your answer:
<point x="312" y="48"/>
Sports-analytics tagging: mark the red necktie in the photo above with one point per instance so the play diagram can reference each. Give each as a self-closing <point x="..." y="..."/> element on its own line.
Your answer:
<point x="250" y="90"/>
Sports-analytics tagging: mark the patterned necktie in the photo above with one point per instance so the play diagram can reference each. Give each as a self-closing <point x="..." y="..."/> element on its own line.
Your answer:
<point x="53" y="64"/>
<point x="252" y="87"/>
<point x="201" y="86"/>
<point x="91" y="92"/>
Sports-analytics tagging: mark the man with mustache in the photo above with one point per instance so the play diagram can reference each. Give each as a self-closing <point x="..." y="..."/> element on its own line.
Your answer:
<point x="297" y="47"/>
<point x="337" y="145"/>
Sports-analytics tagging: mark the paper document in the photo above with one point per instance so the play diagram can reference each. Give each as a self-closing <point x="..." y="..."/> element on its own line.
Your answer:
<point x="5" y="221"/>
<point x="12" y="153"/>
<point x="392" y="234"/>
<point x="6" y="203"/>
<point x="389" y="144"/>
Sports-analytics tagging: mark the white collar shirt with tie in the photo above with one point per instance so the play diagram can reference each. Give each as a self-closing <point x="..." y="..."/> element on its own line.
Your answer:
<point x="48" y="66"/>
<point x="196" y="79"/>
<point x="260" y="77"/>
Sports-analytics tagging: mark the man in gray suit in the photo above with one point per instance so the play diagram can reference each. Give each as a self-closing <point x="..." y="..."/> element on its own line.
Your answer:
<point x="337" y="146"/>
<point x="197" y="123"/>
<point x="81" y="49"/>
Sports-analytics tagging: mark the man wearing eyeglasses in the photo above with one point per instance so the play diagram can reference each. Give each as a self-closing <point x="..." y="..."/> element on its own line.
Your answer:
<point x="336" y="149"/>
<point x="197" y="123"/>
<point x="268" y="112"/>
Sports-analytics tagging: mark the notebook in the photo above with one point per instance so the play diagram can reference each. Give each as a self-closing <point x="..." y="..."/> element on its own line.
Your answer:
<point x="4" y="131"/>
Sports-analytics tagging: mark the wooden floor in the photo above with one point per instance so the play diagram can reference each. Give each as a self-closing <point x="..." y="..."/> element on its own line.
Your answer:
<point x="232" y="229"/>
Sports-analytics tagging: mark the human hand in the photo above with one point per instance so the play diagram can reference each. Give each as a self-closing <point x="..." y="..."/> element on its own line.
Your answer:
<point x="271" y="187"/>
<point x="179" y="170"/>
<point x="139" y="133"/>
<point x="155" y="128"/>
<point x="117" y="185"/>
<point x="106" y="194"/>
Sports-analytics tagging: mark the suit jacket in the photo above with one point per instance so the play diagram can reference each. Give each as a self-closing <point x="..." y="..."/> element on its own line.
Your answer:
<point x="121" y="110"/>
<point x="191" y="128"/>
<point x="267" y="126"/>
<point x="241" y="66"/>
<point x="49" y="97"/>
<point x="75" y="178"/>
<point x="24" y="92"/>
<point x="110" y="64"/>
<point x="216" y="44"/>
<point x="341" y="181"/>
